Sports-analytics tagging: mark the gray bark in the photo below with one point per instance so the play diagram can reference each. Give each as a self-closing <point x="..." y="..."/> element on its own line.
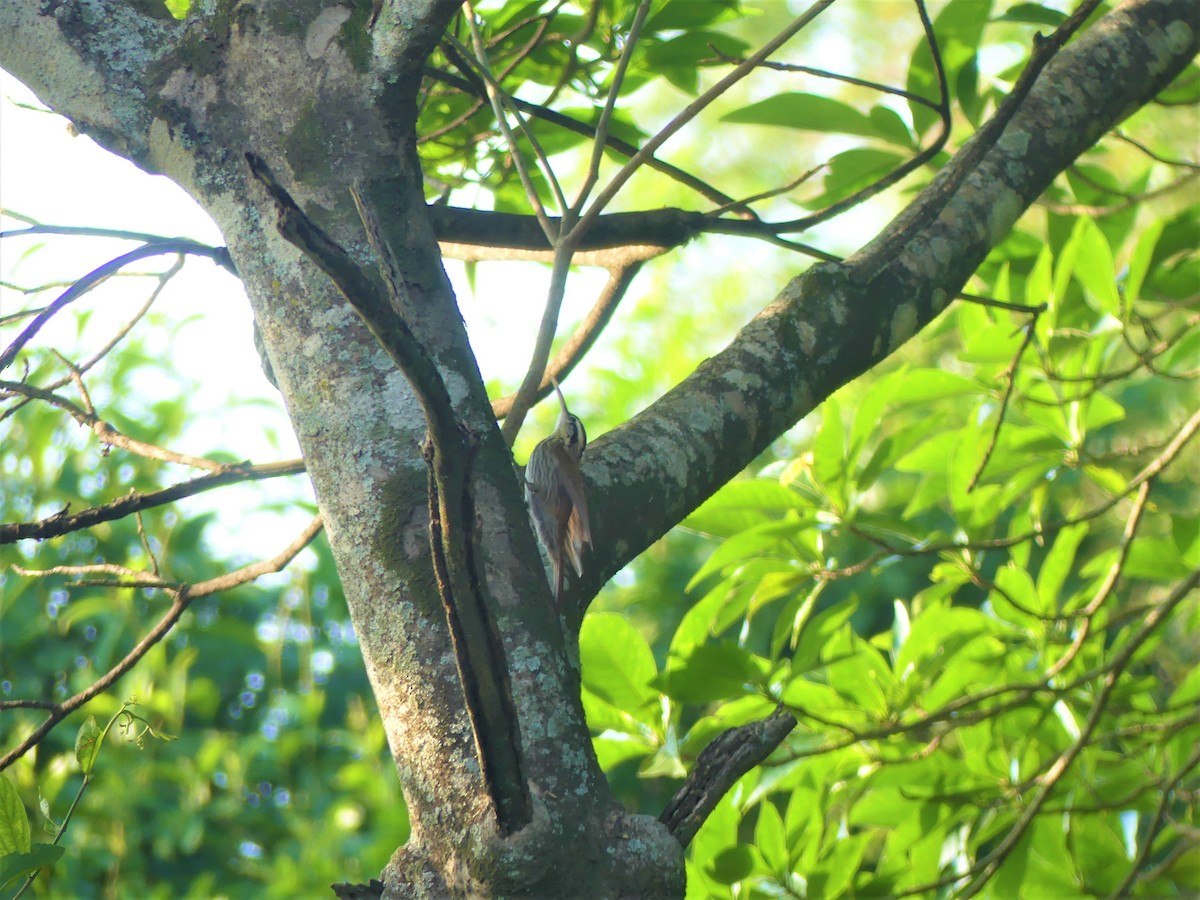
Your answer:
<point x="304" y="87"/>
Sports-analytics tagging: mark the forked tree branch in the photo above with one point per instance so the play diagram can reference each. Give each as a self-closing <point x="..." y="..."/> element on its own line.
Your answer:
<point x="584" y="337"/>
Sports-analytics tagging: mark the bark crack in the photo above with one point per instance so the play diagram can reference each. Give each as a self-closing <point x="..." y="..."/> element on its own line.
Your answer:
<point x="448" y="450"/>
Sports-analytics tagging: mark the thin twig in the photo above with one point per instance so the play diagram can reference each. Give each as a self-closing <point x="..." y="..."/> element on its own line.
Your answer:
<point x="38" y="228"/>
<point x="61" y="523"/>
<point x="835" y="76"/>
<point x="581" y="341"/>
<point x="769" y="193"/>
<point x="106" y="433"/>
<point x="87" y="282"/>
<point x="1165" y="794"/>
<point x="694" y="108"/>
<point x="1165" y="160"/>
<point x="610" y="104"/>
<point x="183" y="597"/>
<point x="27" y="704"/>
<point x="1009" y="373"/>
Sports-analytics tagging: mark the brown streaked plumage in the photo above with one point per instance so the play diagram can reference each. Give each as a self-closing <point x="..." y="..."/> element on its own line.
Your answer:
<point x="554" y="492"/>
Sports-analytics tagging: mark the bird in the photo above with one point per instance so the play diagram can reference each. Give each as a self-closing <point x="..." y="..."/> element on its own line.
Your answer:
<point x="554" y="493"/>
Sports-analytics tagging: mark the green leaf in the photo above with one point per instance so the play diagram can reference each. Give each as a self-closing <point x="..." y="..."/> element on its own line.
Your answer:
<point x="890" y="126"/>
<point x="1188" y="691"/>
<point x="718" y="833"/>
<point x="22" y="865"/>
<point x="1017" y="598"/>
<point x="754" y="543"/>
<point x="618" y="665"/>
<point x="833" y="874"/>
<point x="958" y="27"/>
<point x="816" y="632"/>
<point x="615" y="748"/>
<point x="931" y="456"/>
<point x="665" y="763"/>
<point x="921" y="386"/>
<point x="1139" y="262"/>
<point x="1110" y="480"/>
<point x="966" y="89"/>
<point x="79" y="610"/>
<point x="14" y="821"/>
<point x="858" y="672"/>
<point x="87" y="745"/>
<point x="868" y="412"/>
<point x="1155" y="559"/>
<point x="851" y="171"/>
<point x="178" y="9"/>
<point x="742" y="504"/>
<point x="1033" y="14"/>
<point x="996" y="344"/>
<point x="1094" y="267"/>
<point x="731" y="865"/>
<point x="805" y="697"/>
<point x="713" y="672"/>
<point x="937" y="635"/>
<point x="829" y="453"/>
<point x="1183" y="355"/>
<point x="1057" y="564"/>
<point x="696" y="627"/>
<point x="770" y="840"/>
<point x="678" y="58"/>
<point x="603" y="717"/>
<point x="684" y="14"/>
<point x="1102" y="410"/>
<point x="1099" y="851"/>
<point x="1185" y="531"/>
<point x="807" y="112"/>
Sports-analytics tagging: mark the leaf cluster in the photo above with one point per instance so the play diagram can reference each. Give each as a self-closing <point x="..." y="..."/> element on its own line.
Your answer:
<point x="972" y="580"/>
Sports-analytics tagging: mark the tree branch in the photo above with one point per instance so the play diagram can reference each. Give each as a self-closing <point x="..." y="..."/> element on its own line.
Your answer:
<point x="62" y="523"/>
<point x="718" y="767"/>
<point x="106" y="433"/>
<point x="184" y="595"/>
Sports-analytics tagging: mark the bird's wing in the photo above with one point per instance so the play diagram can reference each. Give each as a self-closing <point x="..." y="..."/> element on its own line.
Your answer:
<point x="572" y="483"/>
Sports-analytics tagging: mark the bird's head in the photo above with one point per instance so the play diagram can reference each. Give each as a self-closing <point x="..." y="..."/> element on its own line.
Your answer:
<point x="569" y="429"/>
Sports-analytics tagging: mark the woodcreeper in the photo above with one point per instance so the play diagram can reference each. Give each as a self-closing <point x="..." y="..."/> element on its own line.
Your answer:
<point x="554" y="492"/>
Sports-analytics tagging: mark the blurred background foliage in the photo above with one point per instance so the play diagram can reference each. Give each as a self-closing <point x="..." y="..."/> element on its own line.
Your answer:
<point x="894" y="570"/>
